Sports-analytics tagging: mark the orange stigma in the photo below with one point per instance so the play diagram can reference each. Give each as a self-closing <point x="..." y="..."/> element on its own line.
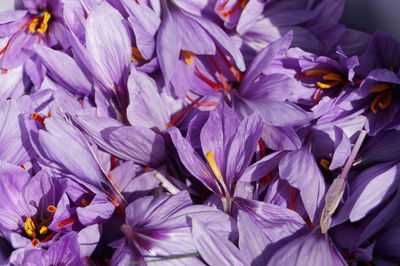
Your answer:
<point x="240" y="3"/>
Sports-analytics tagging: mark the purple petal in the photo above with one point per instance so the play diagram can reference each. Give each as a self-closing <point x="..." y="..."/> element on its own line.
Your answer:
<point x="107" y="40"/>
<point x="213" y="249"/>
<point x="314" y="248"/>
<point x="302" y="172"/>
<point x="192" y="161"/>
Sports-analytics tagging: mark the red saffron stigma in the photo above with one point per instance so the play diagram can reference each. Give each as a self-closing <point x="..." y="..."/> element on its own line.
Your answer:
<point x="212" y="84"/>
<point x="317" y="96"/>
<point x="49" y="237"/>
<point x="5" y="71"/>
<point x="114" y="161"/>
<point x="223" y="5"/>
<point x="236" y="73"/>
<point x="221" y="76"/>
<point x="262" y="148"/>
<point x="67" y="222"/>
<point x="38" y="117"/>
<point x="232" y="10"/>
<point x="208" y="104"/>
<point x="35" y="242"/>
<point x="22" y="166"/>
<point x="292" y="199"/>
<point x="309" y="223"/>
<point x="179" y="115"/>
<point x="266" y="179"/>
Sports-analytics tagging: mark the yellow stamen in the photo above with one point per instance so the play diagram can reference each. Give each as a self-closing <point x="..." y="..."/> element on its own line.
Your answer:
<point x="44" y="25"/>
<point x="29" y="226"/>
<point x="379" y="88"/>
<point x="43" y="230"/>
<point x="325" y="164"/>
<point x="317" y="72"/>
<point x="333" y="76"/>
<point x="136" y="55"/>
<point x="327" y="85"/>
<point x="387" y="99"/>
<point x="33" y="25"/>
<point x="214" y="166"/>
<point x="188" y="56"/>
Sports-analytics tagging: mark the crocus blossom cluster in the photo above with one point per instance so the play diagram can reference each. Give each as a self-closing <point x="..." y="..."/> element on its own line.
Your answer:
<point x="207" y="132"/>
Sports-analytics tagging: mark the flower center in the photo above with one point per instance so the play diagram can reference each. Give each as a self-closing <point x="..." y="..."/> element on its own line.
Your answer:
<point x="42" y="22"/>
<point x="328" y="79"/>
<point x="39" y="231"/>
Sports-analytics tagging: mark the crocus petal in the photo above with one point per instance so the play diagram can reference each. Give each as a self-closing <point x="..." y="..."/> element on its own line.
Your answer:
<point x="56" y="62"/>
<point x="220" y="37"/>
<point x="146" y="108"/>
<point x="263" y="59"/>
<point x="280" y="138"/>
<point x="370" y="189"/>
<point x="65" y="251"/>
<point x="88" y="239"/>
<point x="302" y="172"/>
<point x="213" y="249"/>
<point x="99" y="211"/>
<point x="61" y="143"/>
<point x="137" y="143"/>
<point x="314" y="248"/>
<point x="279" y="113"/>
<point x="277" y="223"/>
<point x="252" y="240"/>
<point x="192" y="161"/>
<point x="217" y="133"/>
<point x="342" y="150"/>
<point x="168" y="44"/>
<point x="14" y="140"/>
<point x="108" y="41"/>
<point x="242" y="147"/>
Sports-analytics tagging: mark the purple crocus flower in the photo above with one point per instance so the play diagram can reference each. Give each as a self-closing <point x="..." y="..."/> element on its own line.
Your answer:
<point x="158" y="227"/>
<point x="228" y="154"/>
<point x="184" y="35"/>
<point x="41" y="22"/>
<point x="379" y="88"/>
<point x="106" y="55"/>
<point x="30" y="205"/>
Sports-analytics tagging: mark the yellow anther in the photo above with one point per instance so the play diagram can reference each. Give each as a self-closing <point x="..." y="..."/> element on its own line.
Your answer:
<point x="29" y="226"/>
<point x="317" y="72"/>
<point x="136" y="55"/>
<point x="325" y="164"/>
<point x="213" y="164"/>
<point x="43" y="230"/>
<point x="33" y="25"/>
<point x="188" y="56"/>
<point x="45" y="22"/>
<point x="379" y="88"/>
<point x="327" y="85"/>
<point x="333" y="76"/>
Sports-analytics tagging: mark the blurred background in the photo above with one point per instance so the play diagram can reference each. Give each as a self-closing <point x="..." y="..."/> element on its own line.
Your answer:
<point x="373" y="15"/>
<point x="365" y="15"/>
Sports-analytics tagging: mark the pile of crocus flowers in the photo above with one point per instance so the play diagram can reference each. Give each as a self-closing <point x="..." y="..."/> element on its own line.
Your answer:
<point x="197" y="132"/>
